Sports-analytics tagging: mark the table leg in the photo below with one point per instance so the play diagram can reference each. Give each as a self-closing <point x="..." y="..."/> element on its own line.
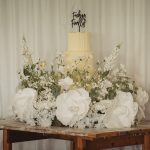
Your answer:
<point x="79" y="144"/>
<point x="146" y="145"/>
<point x="6" y="144"/>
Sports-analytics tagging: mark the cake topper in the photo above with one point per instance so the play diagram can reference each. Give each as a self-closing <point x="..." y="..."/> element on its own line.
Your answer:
<point x="79" y="19"/>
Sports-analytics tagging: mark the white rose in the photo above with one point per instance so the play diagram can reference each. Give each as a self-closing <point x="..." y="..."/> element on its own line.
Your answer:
<point x="23" y="103"/>
<point x="122" y="112"/>
<point x="72" y="106"/>
<point x="65" y="83"/>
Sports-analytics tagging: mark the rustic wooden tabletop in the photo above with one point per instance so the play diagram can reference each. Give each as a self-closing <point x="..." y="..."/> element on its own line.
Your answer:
<point x="86" y="133"/>
<point x="82" y="139"/>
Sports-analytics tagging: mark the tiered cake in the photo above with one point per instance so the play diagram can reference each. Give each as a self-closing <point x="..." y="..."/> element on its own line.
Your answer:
<point x="79" y="49"/>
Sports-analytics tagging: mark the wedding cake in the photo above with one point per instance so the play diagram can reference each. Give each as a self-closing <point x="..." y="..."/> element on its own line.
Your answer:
<point x="79" y="50"/>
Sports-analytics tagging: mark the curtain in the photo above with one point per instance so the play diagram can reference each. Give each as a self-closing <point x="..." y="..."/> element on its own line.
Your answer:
<point x="46" y="23"/>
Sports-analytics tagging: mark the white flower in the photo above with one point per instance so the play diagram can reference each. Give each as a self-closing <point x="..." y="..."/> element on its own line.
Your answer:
<point x="44" y="118"/>
<point x="122" y="112"/>
<point x="115" y="72"/>
<point x="106" y="83"/>
<point x="23" y="103"/>
<point x="103" y="105"/>
<point x="130" y="86"/>
<point x="110" y="61"/>
<point x="141" y="98"/>
<point x="44" y="112"/>
<point x="42" y="65"/>
<point x="27" y="54"/>
<point x="103" y="87"/>
<point x="61" y="69"/>
<point x="72" y="106"/>
<point x="41" y="105"/>
<point x="65" y="83"/>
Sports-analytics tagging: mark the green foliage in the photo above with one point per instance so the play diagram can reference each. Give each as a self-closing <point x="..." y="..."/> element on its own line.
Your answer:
<point x="36" y="76"/>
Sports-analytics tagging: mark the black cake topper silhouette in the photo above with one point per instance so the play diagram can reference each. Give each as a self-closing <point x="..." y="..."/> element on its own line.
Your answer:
<point x="79" y="20"/>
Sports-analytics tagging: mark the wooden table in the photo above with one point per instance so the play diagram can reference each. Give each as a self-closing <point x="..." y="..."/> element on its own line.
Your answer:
<point x="87" y="139"/>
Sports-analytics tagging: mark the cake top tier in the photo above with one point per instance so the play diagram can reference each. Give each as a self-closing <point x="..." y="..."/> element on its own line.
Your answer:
<point x="79" y="41"/>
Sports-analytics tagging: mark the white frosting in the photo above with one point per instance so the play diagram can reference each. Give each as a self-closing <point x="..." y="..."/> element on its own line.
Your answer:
<point x="79" y="41"/>
<point x="79" y="48"/>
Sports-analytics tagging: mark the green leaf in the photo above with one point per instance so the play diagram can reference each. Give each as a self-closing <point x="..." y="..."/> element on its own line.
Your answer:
<point x="55" y="89"/>
<point x="26" y="72"/>
<point x="33" y="66"/>
<point x="104" y="74"/>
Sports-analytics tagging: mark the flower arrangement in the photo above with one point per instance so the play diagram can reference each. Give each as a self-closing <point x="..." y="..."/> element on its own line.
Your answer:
<point x="75" y="97"/>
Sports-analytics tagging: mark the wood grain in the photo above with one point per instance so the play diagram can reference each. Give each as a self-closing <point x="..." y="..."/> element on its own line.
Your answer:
<point x="82" y="139"/>
<point x="146" y="144"/>
<point x="88" y="134"/>
<point x="6" y="143"/>
<point x="79" y="144"/>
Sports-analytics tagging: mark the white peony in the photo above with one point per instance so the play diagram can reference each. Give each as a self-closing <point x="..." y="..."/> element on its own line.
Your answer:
<point x="122" y="112"/>
<point x="72" y="106"/>
<point x="65" y="83"/>
<point x="23" y="104"/>
<point x="141" y="98"/>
